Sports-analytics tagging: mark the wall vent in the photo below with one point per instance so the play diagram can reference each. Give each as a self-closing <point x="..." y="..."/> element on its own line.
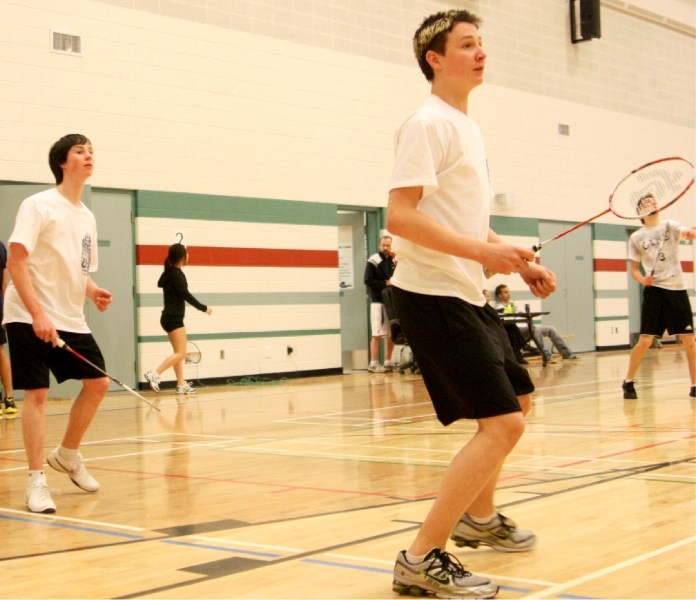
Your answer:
<point x="66" y="43"/>
<point x="563" y="129"/>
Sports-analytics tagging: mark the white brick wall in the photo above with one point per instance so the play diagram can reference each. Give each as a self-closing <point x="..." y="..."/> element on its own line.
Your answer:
<point x="175" y="104"/>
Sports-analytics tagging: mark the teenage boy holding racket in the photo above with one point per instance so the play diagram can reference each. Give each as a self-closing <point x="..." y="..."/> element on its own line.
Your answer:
<point x="666" y="303"/>
<point x="52" y="253"/>
<point x="439" y="209"/>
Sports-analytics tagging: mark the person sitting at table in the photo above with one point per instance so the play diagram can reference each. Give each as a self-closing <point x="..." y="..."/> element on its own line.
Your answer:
<point x="515" y="336"/>
<point x="505" y="305"/>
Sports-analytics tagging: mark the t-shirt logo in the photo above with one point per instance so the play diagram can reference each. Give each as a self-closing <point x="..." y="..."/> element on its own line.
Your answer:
<point x="86" y="253"/>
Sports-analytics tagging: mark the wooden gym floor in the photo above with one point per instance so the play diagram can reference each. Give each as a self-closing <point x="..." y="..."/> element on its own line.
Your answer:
<point x="308" y="488"/>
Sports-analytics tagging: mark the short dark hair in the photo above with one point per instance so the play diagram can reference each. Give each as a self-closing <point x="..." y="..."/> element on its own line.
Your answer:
<point x="498" y="289"/>
<point x="58" y="153"/>
<point x="432" y="35"/>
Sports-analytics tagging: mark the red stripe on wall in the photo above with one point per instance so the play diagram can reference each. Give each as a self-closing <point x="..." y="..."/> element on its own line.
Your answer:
<point x="617" y="265"/>
<point x="206" y="256"/>
<point x="613" y="265"/>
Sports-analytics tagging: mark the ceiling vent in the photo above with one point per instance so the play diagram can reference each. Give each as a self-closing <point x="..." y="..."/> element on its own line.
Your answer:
<point x="66" y="43"/>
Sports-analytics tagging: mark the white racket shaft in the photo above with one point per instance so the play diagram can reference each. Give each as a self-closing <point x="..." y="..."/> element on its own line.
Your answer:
<point x="61" y="344"/>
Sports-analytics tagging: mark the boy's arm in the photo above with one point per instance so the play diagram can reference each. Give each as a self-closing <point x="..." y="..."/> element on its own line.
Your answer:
<point x="645" y="280"/>
<point x="101" y="297"/>
<point x="541" y="281"/>
<point x="21" y="279"/>
<point x="405" y="220"/>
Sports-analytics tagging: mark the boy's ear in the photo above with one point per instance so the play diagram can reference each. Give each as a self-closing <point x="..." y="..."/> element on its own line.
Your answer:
<point x="433" y="59"/>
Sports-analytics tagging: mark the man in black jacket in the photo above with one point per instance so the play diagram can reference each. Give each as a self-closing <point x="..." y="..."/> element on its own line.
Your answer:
<point x="378" y="272"/>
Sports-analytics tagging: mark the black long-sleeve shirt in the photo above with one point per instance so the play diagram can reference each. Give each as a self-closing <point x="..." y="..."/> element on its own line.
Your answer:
<point x="175" y="287"/>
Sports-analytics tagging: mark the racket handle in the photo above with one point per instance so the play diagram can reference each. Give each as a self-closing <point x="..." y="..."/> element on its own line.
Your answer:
<point x="60" y="343"/>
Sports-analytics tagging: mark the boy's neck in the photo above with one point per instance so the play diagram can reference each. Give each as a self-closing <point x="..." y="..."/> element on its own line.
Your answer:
<point x="451" y="97"/>
<point x="652" y="220"/>
<point x="72" y="190"/>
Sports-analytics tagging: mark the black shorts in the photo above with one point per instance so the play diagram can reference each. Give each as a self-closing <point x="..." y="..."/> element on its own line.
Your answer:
<point x="32" y="359"/>
<point x="464" y="355"/>
<point x="665" y="309"/>
<point x="169" y="324"/>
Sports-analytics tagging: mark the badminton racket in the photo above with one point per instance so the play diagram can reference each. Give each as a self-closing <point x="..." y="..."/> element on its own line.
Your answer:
<point x="665" y="179"/>
<point x="61" y="344"/>
<point x="193" y="354"/>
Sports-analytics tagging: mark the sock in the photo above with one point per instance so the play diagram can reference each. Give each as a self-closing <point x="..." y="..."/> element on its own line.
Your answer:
<point x="484" y="520"/>
<point x="415" y="559"/>
<point x="39" y="473"/>
<point x="67" y="454"/>
<point x="628" y="380"/>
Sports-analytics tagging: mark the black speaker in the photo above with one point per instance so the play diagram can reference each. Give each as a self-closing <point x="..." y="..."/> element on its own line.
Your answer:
<point x="585" y="21"/>
<point x="590" y="26"/>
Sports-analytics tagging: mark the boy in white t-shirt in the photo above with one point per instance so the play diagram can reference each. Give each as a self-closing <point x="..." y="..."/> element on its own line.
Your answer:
<point x="52" y="253"/>
<point x="666" y="304"/>
<point x="439" y="209"/>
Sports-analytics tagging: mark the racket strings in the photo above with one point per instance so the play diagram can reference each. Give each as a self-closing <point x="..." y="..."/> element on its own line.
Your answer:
<point x="665" y="181"/>
<point x="193" y="354"/>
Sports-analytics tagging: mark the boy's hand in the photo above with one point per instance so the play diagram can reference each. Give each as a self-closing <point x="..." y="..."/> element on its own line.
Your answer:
<point x="102" y="298"/>
<point x="505" y="258"/>
<point x="541" y="281"/>
<point x="44" y="328"/>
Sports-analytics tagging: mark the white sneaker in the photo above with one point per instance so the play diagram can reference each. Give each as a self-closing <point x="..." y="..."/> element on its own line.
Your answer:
<point x="154" y="380"/>
<point x="375" y="367"/>
<point x="186" y="389"/>
<point x="38" y="496"/>
<point x="76" y="469"/>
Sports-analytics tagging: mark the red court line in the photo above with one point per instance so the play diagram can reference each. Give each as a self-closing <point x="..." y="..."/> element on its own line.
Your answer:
<point x="211" y="256"/>
<point x="280" y="487"/>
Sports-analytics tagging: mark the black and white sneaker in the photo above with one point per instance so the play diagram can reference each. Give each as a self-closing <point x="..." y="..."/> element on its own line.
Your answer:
<point x="441" y="575"/>
<point x="500" y="533"/>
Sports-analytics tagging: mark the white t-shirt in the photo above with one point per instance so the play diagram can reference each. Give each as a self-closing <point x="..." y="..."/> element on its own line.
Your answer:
<point x="441" y="149"/>
<point x="61" y="240"/>
<point x="643" y="247"/>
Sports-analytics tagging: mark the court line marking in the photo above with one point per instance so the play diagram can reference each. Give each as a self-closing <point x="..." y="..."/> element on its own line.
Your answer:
<point x="612" y="569"/>
<point x="49" y="518"/>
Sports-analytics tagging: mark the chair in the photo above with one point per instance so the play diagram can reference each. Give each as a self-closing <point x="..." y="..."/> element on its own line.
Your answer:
<point x="397" y="334"/>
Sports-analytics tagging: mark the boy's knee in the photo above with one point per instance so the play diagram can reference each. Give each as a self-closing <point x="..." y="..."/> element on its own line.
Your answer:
<point x="97" y="387"/>
<point x="508" y="430"/>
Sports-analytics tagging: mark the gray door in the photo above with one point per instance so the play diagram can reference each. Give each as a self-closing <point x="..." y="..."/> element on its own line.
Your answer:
<point x="572" y="306"/>
<point x="114" y="329"/>
<point x="352" y="294"/>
